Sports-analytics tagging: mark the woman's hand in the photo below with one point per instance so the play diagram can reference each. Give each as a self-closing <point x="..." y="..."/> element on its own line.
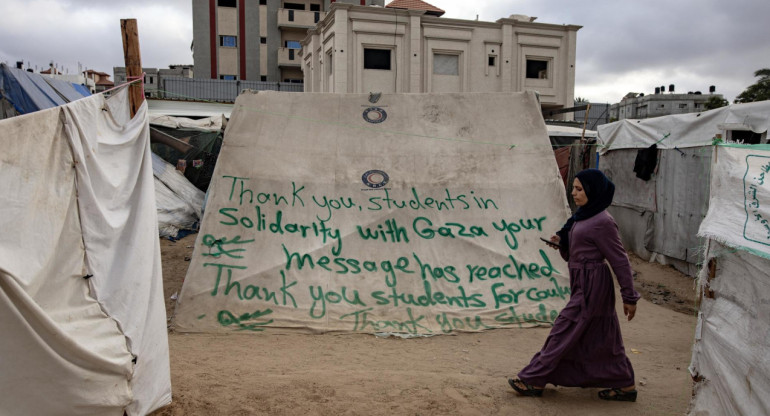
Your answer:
<point x="629" y="311"/>
<point x="555" y="239"/>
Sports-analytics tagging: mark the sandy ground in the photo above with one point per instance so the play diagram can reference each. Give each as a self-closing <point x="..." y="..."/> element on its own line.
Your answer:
<point x="464" y="374"/>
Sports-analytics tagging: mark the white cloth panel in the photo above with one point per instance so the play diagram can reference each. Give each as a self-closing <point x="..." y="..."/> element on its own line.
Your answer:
<point x="116" y="198"/>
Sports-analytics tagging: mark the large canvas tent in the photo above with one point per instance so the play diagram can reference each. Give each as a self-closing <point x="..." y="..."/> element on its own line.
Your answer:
<point x="659" y="217"/>
<point x="405" y="213"/>
<point x="730" y="360"/>
<point x="81" y="301"/>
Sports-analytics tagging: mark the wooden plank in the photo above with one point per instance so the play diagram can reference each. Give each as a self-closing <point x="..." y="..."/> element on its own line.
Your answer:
<point x="133" y="62"/>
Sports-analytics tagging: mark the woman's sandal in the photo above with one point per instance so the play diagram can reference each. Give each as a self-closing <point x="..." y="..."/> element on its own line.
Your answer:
<point x="527" y="391"/>
<point x="618" y="395"/>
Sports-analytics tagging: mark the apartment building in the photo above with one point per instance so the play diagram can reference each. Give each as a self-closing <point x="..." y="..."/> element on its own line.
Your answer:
<point x="408" y="47"/>
<point x="257" y="40"/>
<point x="640" y="106"/>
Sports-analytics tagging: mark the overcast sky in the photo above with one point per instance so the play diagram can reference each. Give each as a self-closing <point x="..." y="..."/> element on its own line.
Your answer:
<point x="623" y="46"/>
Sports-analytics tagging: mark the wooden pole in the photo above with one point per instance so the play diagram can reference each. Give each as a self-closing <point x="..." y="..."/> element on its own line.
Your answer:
<point x="585" y="121"/>
<point x="133" y="62"/>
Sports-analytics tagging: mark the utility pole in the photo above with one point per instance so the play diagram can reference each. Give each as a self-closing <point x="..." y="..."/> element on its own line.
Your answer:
<point x="133" y="62"/>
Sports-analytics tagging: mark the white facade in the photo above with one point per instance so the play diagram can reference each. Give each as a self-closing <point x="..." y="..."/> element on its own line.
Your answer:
<point x="358" y="49"/>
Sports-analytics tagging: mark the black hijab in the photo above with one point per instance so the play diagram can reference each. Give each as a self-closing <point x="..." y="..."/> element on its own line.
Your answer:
<point x="599" y="191"/>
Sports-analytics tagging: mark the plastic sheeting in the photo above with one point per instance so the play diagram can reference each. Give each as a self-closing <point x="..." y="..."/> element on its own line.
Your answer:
<point x="683" y="130"/>
<point x="418" y="215"/>
<point x="80" y="277"/>
<point x="29" y="92"/>
<point x="741" y="187"/>
<point x="730" y="361"/>
<point x="178" y="201"/>
<point x="214" y="123"/>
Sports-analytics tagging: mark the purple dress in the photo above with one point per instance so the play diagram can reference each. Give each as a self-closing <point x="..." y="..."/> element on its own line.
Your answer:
<point x="585" y="348"/>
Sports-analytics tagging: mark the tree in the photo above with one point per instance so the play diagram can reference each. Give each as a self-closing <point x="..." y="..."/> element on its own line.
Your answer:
<point x="715" y="101"/>
<point x="580" y="100"/>
<point x="758" y="91"/>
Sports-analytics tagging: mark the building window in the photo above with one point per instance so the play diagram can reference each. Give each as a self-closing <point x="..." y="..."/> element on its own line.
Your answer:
<point x="537" y="69"/>
<point x="293" y="80"/>
<point x="682" y="105"/>
<point x="377" y="59"/>
<point x="263" y="78"/>
<point x="228" y="41"/>
<point x="315" y="7"/>
<point x="227" y="77"/>
<point x="263" y="40"/>
<point x="697" y="105"/>
<point x="226" y="3"/>
<point x="444" y="64"/>
<point x="491" y="60"/>
<point x="662" y="106"/>
<point x="292" y="44"/>
<point x="294" y="6"/>
<point x="329" y="62"/>
<point x="291" y="54"/>
<point x="263" y="2"/>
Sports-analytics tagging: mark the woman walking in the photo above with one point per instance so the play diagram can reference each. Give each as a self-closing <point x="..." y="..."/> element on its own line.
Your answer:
<point x="585" y="348"/>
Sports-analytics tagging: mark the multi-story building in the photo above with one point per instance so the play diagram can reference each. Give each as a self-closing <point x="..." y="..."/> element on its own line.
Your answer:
<point x="407" y="47"/>
<point x="639" y="106"/>
<point x="255" y="40"/>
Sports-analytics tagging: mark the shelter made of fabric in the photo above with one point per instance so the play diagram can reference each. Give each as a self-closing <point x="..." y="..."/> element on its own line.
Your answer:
<point x="28" y="92"/>
<point x="729" y="360"/>
<point x="417" y="214"/>
<point x="682" y="131"/>
<point x="659" y="213"/>
<point x="81" y="294"/>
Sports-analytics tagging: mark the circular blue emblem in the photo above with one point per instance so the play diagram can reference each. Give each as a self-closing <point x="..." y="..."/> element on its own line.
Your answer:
<point x="375" y="115"/>
<point x="375" y="178"/>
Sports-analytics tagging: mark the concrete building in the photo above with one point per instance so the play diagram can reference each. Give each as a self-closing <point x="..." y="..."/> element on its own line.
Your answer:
<point x="153" y="77"/>
<point x="408" y="47"/>
<point x="640" y="106"/>
<point x="254" y="40"/>
<point x="101" y="80"/>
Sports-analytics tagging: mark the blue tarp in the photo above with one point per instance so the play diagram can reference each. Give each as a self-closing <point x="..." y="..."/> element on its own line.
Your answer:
<point x="29" y="92"/>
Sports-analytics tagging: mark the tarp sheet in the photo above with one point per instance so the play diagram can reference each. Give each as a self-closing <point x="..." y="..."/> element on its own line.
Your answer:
<point x="420" y="214"/>
<point x="683" y="130"/>
<point x="178" y="201"/>
<point x="80" y="277"/>
<point x="214" y="123"/>
<point x="730" y="360"/>
<point x="739" y="210"/>
<point x="29" y="92"/>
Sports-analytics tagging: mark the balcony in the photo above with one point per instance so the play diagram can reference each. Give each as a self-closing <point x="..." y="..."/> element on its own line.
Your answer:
<point x="289" y="57"/>
<point x="301" y="19"/>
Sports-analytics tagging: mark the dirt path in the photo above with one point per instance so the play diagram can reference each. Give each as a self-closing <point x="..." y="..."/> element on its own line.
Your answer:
<point x="465" y="374"/>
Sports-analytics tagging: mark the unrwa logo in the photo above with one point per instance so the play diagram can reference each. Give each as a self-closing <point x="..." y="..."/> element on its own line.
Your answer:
<point x="375" y="178"/>
<point x="375" y="115"/>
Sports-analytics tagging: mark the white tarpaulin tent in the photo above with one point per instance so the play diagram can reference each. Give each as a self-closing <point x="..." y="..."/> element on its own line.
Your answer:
<point x="730" y="360"/>
<point x="81" y="296"/>
<point x="659" y="218"/>
<point x="417" y="214"/>
<point x="178" y="201"/>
